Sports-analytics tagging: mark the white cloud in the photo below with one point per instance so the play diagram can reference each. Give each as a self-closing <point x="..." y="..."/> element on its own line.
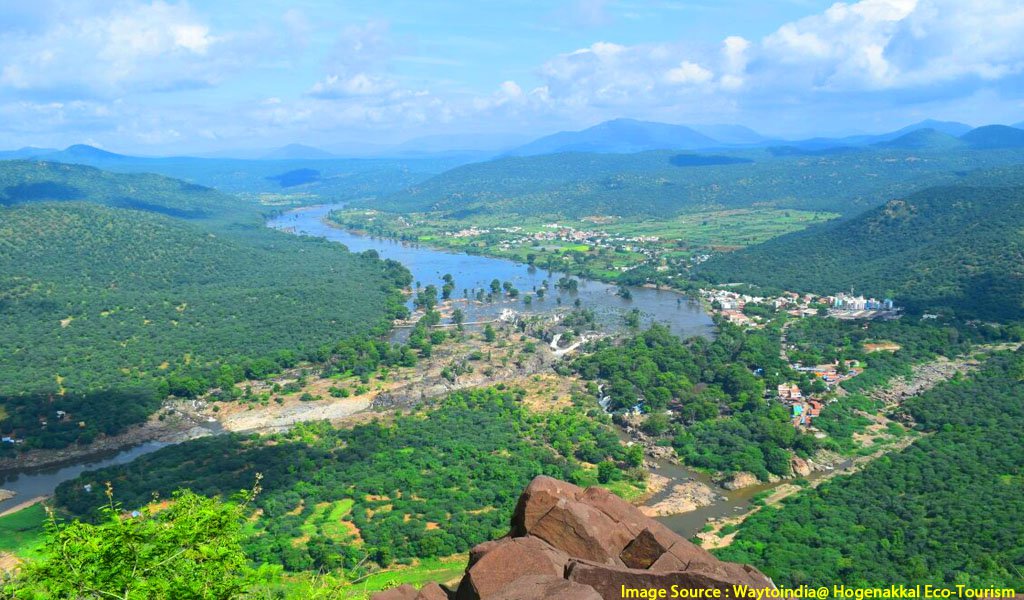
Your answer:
<point x="689" y="73"/>
<point x="131" y="47"/>
<point x="359" y="84"/>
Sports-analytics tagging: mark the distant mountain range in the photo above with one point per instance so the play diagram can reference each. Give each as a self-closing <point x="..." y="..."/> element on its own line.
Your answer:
<point x="26" y="152"/>
<point x="624" y="136"/>
<point x="618" y="136"/>
<point x="297" y="151"/>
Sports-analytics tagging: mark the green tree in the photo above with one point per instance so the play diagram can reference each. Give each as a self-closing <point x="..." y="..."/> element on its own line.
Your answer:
<point x="192" y="549"/>
<point x="607" y="472"/>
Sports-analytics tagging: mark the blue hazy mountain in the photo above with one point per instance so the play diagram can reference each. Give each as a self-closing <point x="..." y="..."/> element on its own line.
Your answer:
<point x="86" y="155"/>
<point x="620" y="136"/>
<point x="297" y="152"/>
<point x="953" y="128"/>
<point x="994" y="136"/>
<point x="924" y="139"/>
<point x="730" y="134"/>
<point x="26" y="152"/>
<point x="492" y="143"/>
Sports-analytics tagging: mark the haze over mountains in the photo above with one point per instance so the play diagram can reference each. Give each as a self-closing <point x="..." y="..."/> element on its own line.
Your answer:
<point x="617" y="136"/>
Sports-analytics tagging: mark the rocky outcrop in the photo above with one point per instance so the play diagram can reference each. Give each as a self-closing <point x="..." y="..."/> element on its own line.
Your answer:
<point x="801" y="468"/>
<point x="567" y="542"/>
<point x="684" y="497"/>
<point x="740" y="480"/>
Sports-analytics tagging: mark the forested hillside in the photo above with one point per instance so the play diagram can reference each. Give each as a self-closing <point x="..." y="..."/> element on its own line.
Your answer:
<point x="31" y="181"/>
<point x="106" y="310"/>
<point x="944" y="511"/>
<point x="662" y="184"/>
<point x="960" y="247"/>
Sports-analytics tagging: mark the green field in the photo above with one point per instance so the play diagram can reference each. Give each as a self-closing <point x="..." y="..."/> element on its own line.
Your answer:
<point x="614" y="249"/>
<point x="22" y="533"/>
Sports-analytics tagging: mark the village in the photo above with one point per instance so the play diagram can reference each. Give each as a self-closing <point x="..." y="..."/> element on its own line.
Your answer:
<point x="747" y="311"/>
<point x="555" y="233"/>
<point x="733" y="306"/>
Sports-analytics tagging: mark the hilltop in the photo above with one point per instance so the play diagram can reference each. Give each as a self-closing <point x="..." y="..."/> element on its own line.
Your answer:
<point x="619" y="136"/>
<point x="33" y="181"/>
<point x="958" y="247"/>
<point x="924" y="139"/>
<point x="995" y="136"/>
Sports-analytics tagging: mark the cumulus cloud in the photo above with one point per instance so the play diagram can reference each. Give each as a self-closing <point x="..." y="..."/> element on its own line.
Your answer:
<point x="689" y="73"/>
<point x="360" y="84"/>
<point x="865" y="47"/>
<point x="97" y="68"/>
<point x="133" y="47"/>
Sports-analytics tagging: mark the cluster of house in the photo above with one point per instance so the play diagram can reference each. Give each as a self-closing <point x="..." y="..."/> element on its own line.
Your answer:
<point x="804" y="410"/>
<point x="807" y="408"/>
<point x="848" y="306"/>
<point x="730" y="305"/>
<point x="560" y="233"/>
<point x="43" y="422"/>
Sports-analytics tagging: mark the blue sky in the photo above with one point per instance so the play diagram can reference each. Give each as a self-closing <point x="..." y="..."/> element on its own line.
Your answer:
<point x="171" y="77"/>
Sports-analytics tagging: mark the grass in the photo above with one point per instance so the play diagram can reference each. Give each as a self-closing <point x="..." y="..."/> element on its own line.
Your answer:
<point x="333" y="587"/>
<point x="22" y="533"/>
<point x="679" y="237"/>
<point x="441" y="570"/>
<point x="327" y="517"/>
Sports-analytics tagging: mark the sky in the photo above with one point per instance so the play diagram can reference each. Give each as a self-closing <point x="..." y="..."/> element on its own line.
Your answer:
<point x="167" y="77"/>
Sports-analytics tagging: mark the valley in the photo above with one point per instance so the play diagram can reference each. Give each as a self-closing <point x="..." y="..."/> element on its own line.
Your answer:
<point x="561" y="345"/>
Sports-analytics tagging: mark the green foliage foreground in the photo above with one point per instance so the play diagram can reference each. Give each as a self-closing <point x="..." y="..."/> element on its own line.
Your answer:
<point x="427" y="485"/>
<point x="191" y="549"/>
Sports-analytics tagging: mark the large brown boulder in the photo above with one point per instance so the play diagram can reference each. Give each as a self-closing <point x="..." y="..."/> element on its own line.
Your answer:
<point x="609" y="581"/>
<point x="431" y="591"/>
<point x="566" y="542"/>
<point x="535" y="587"/>
<point x="498" y="565"/>
<point x="537" y="499"/>
<point x="582" y="530"/>
<point x="402" y="592"/>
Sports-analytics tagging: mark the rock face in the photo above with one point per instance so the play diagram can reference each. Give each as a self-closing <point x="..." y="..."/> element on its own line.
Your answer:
<point x="576" y="544"/>
<point x="741" y="480"/>
<point x="801" y="467"/>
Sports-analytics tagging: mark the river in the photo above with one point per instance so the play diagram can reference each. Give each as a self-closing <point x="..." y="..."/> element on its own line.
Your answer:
<point x="680" y="313"/>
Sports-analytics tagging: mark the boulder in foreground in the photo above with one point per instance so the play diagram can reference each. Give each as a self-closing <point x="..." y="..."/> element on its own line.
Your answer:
<point x="567" y="542"/>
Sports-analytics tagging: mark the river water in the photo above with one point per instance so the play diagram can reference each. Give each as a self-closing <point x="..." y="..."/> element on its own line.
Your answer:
<point x="680" y="313"/>
<point x="427" y="265"/>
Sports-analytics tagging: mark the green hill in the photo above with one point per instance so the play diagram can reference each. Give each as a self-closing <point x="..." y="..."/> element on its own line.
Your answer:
<point x="33" y="181"/>
<point x="661" y="184"/>
<point x="960" y="247"/>
<point x="924" y="139"/>
<point x="106" y="309"/>
<point x="995" y="136"/>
